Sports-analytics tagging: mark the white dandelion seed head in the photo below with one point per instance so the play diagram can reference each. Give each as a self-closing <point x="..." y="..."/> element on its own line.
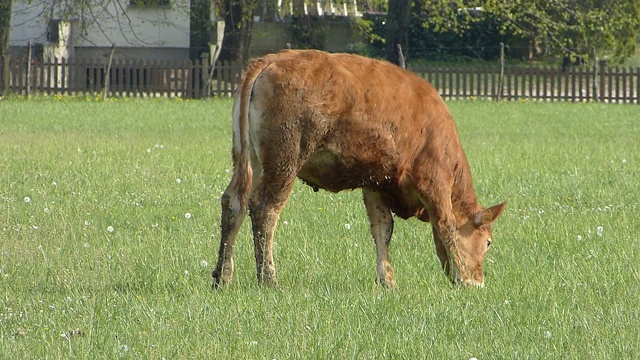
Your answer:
<point x="347" y="226"/>
<point x="46" y="210"/>
<point x="54" y="184"/>
<point x="624" y="161"/>
<point x="187" y="216"/>
<point x="579" y="238"/>
<point x="599" y="230"/>
<point x="110" y="228"/>
<point x="148" y="151"/>
<point x="204" y="263"/>
<point x="186" y="273"/>
<point x="87" y="245"/>
<point x="547" y="334"/>
<point x="285" y="223"/>
<point x="178" y="181"/>
<point x="27" y="199"/>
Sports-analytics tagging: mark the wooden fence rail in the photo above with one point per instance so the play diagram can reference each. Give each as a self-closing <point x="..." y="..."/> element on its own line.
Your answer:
<point x="192" y="79"/>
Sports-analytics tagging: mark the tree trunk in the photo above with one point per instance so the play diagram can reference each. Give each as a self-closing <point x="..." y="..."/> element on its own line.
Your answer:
<point x="5" y="30"/>
<point x="397" y="31"/>
<point x="238" y="17"/>
<point x="199" y="28"/>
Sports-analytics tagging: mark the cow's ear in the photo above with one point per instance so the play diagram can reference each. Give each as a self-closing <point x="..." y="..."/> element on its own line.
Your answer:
<point x="487" y="216"/>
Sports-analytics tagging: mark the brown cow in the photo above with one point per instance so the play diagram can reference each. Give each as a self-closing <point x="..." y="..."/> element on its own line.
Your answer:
<point x="337" y="122"/>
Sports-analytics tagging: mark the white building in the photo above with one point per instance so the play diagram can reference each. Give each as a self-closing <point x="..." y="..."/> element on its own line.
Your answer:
<point x="152" y="29"/>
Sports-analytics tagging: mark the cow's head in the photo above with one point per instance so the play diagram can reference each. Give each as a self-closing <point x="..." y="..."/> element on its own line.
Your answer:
<point x="474" y="239"/>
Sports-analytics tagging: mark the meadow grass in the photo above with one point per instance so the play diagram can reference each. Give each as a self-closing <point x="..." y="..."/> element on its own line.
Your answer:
<point x="109" y="215"/>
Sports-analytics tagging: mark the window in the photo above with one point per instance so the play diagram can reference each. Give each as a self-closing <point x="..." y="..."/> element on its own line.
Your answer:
<point x="53" y="31"/>
<point x="149" y="3"/>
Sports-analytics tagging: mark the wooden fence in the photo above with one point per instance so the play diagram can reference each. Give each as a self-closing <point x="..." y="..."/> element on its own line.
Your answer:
<point x="190" y="79"/>
<point x="186" y="79"/>
<point x="577" y="84"/>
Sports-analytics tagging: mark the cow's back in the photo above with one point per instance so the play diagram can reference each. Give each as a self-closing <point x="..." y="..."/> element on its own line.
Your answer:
<point x="357" y="121"/>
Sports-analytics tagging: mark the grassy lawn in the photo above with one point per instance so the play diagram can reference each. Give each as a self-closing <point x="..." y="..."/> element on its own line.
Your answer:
<point x="109" y="216"/>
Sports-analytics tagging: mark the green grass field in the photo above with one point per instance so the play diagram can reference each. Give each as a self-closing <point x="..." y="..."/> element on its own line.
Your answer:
<point x="109" y="216"/>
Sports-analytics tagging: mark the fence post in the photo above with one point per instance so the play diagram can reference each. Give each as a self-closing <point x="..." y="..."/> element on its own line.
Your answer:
<point x="501" y="78"/>
<point x="401" y="59"/>
<point x="105" y="90"/>
<point x="28" y="80"/>
<point x="595" y="75"/>
<point x="205" y="74"/>
<point x="637" y="85"/>
<point x="4" y="76"/>
<point x="603" y="66"/>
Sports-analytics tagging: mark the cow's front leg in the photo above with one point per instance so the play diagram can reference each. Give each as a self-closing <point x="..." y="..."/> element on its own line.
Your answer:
<point x="381" y="223"/>
<point x="445" y="235"/>
<point x="436" y="196"/>
<point x="441" y="251"/>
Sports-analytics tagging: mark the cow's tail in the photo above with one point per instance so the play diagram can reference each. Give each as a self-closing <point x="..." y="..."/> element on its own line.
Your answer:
<point x="241" y="152"/>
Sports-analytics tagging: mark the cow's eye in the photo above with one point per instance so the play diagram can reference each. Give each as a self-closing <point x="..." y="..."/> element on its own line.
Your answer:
<point x="488" y="242"/>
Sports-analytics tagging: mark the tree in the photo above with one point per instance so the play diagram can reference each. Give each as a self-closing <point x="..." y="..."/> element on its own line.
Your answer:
<point x="199" y="27"/>
<point x="5" y="31"/>
<point x="573" y="27"/>
<point x="397" y="29"/>
<point x="238" y="17"/>
<point x="569" y="28"/>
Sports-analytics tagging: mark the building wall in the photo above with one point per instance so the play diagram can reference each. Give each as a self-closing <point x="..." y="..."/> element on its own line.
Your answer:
<point x="329" y="34"/>
<point x="268" y="37"/>
<point x="128" y="27"/>
<point x="150" y="33"/>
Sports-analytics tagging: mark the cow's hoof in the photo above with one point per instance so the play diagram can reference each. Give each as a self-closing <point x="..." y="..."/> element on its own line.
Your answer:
<point x="386" y="283"/>
<point x="218" y="280"/>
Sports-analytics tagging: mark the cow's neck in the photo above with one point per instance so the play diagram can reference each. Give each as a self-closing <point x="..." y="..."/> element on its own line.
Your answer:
<point x="463" y="196"/>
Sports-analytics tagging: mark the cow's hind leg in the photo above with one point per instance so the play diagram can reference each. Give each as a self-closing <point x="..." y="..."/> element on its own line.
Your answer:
<point x="265" y="205"/>
<point x="234" y="203"/>
<point x="381" y="223"/>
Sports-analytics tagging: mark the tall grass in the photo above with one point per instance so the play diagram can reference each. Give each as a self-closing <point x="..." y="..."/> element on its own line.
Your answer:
<point x="109" y="217"/>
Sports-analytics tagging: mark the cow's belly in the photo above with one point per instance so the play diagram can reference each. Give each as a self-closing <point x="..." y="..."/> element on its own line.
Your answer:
<point x="330" y="171"/>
